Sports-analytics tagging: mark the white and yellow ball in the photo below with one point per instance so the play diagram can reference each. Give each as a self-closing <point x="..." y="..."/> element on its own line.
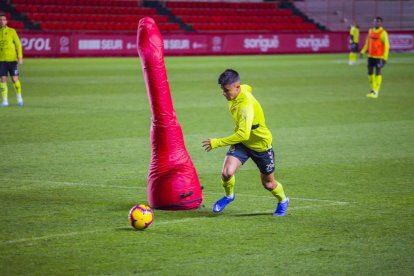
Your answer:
<point x="141" y="216"/>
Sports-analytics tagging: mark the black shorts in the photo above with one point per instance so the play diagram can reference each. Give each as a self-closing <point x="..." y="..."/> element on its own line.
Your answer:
<point x="353" y="47"/>
<point x="8" y="67"/>
<point x="375" y="62"/>
<point x="264" y="160"/>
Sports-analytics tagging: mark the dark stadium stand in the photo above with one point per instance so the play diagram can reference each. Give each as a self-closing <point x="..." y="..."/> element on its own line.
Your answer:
<point x="171" y="16"/>
<point x="18" y="25"/>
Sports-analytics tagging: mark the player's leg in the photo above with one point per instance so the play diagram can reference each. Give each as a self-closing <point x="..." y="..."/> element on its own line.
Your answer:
<point x="235" y="157"/>
<point x="353" y="54"/>
<point x="3" y="84"/>
<point x="18" y="89"/>
<point x="14" y="72"/>
<point x="356" y="52"/>
<point x="230" y="166"/>
<point x="372" y="78"/>
<point x="351" y="58"/>
<point x="276" y="188"/>
<point x="4" y="91"/>
<point x="269" y="183"/>
<point x="378" y="75"/>
<point x="266" y="164"/>
<point x="228" y="179"/>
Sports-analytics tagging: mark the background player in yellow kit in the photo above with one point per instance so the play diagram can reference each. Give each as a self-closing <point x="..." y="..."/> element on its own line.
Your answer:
<point x="251" y="139"/>
<point x="353" y="43"/>
<point x="378" y="46"/>
<point x="11" y="55"/>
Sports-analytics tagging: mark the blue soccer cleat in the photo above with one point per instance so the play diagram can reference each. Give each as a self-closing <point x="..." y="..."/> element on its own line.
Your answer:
<point x="222" y="203"/>
<point x="282" y="208"/>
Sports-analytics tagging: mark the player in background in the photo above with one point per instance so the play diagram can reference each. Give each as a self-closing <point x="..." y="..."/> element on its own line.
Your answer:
<point x="251" y="139"/>
<point x="378" y="46"/>
<point x="10" y="56"/>
<point x="353" y="43"/>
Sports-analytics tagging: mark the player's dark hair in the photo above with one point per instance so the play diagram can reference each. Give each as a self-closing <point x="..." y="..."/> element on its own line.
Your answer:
<point x="228" y="77"/>
<point x="378" y="18"/>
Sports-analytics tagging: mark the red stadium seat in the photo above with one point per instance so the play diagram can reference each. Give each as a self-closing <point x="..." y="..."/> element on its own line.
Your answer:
<point x="227" y="16"/>
<point x="123" y="15"/>
<point x="74" y="15"/>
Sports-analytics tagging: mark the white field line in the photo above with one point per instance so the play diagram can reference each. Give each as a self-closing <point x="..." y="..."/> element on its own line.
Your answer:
<point x="294" y="198"/>
<point x="66" y="183"/>
<point x="325" y="202"/>
<point x="84" y="184"/>
<point x="53" y="236"/>
<point x="77" y="233"/>
<point x="292" y="208"/>
<point x="69" y="234"/>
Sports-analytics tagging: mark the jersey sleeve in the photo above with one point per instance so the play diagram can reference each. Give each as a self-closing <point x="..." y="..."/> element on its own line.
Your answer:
<point x="352" y="35"/>
<point x="18" y="45"/>
<point x="384" y="38"/>
<point x="365" y="48"/>
<point x="243" y="128"/>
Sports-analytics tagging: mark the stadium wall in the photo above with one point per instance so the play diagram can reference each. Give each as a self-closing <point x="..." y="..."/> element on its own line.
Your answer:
<point x="98" y="45"/>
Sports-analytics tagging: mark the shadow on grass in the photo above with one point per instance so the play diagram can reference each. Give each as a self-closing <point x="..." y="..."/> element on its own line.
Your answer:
<point x="202" y="211"/>
<point x="252" y="214"/>
<point x="124" y="229"/>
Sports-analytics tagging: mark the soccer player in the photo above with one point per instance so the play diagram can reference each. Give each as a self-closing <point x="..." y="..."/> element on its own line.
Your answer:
<point x="378" y="46"/>
<point x="10" y="56"/>
<point x="353" y="43"/>
<point x="251" y="139"/>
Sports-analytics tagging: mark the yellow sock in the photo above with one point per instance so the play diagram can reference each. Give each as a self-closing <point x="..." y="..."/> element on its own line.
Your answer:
<point x="378" y="82"/>
<point x="4" y="90"/>
<point x="352" y="57"/>
<point x="372" y="84"/>
<point x="18" y="87"/>
<point x="229" y="185"/>
<point x="278" y="192"/>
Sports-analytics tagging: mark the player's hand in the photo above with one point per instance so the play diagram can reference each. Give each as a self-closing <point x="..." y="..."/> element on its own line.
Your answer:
<point x="19" y="61"/>
<point x="206" y="144"/>
<point x="361" y="55"/>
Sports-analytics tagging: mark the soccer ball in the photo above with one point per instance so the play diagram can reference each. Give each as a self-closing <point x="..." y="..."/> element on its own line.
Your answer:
<point x="141" y="216"/>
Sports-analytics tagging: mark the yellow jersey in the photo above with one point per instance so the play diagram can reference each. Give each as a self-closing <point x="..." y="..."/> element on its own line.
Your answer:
<point x="10" y="46"/>
<point x="250" y="125"/>
<point x="354" y="34"/>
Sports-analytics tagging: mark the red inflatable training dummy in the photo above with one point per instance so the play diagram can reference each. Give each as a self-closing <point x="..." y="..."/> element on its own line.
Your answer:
<point x="173" y="182"/>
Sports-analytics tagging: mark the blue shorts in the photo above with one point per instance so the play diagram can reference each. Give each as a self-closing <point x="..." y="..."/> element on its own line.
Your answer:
<point x="375" y="62"/>
<point x="353" y="47"/>
<point x="8" y="67"/>
<point x="264" y="160"/>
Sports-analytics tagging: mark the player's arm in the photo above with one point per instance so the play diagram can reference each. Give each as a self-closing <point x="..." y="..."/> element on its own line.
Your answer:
<point x="384" y="38"/>
<point x="244" y="128"/>
<point x="365" y="48"/>
<point x="351" y="36"/>
<point x="19" y="50"/>
<point x="206" y="144"/>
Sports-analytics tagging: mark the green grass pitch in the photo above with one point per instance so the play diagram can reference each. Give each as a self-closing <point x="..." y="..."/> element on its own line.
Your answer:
<point x="75" y="158"/>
